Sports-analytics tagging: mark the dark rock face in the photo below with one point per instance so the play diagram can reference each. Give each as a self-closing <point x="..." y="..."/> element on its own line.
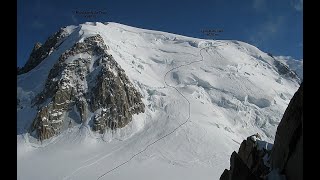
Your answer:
<point x="286" y="155"/>
<point x="248" y="151"/>
<point x="287" y="152"/>
<point x="253" y="156"/>
<point x="225" y="175"/>
<point x="86" y="79"/>
<point x="248" y="162"/>
<point x="239" y="170"/>
<point x="40" y="52"/>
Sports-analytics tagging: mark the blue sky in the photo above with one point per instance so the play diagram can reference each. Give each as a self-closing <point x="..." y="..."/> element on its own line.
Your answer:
<point x="273" y="26"/>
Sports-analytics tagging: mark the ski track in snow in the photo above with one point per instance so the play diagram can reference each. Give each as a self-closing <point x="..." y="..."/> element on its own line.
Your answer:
<point x="88" y="165"/>
<point x="164" y="78"/>
<point x="232" y="111"/>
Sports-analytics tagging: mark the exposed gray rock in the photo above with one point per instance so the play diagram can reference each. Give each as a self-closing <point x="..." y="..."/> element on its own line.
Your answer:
<point x="93" y="83"/>
<point x="119" y="100"/>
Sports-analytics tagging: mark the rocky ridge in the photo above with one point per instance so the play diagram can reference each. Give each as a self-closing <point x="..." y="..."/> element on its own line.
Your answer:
<point x="40" y="52"/>
<point x="86" y="81"/>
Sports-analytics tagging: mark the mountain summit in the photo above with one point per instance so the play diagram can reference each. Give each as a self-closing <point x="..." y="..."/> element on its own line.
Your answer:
<point x="103" y="92"/>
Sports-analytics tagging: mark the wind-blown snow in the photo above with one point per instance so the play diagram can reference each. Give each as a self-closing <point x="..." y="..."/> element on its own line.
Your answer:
<point x="233" y="93"/>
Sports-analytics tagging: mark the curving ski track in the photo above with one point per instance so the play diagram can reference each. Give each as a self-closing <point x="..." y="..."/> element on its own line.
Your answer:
<point x="164" y="78"/>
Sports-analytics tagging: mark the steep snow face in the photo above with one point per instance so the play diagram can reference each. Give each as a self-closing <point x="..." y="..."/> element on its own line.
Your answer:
<point x="234" y="90"/>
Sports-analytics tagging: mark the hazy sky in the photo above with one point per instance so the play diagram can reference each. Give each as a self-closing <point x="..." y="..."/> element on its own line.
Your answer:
<point x="273" y="26"/>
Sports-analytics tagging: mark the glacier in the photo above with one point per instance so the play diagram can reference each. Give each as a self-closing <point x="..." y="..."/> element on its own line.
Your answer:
<point x="218" y="92"/>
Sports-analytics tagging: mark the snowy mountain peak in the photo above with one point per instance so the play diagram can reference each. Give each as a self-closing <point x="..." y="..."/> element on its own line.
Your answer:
<point x="86" y="84"/>
<point x="122" y="88"/>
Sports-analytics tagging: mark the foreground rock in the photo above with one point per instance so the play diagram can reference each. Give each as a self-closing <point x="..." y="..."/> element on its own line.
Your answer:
<point x="256" y="161"/>
<point x="250" y="162"/>
<point x="287" y="152"/>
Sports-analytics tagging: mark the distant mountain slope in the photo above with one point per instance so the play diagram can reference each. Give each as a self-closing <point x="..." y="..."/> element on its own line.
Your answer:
<point x="295" y="65"/>
<point x="233" y="88"/>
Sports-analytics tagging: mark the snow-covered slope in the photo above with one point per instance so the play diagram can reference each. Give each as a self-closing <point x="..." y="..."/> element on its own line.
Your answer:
<point x="295" y="65"/>
<point x="234" y="90"/>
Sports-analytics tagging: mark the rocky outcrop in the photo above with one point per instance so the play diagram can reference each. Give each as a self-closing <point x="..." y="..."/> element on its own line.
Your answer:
<point x="40" y="52"/>
<point x="225" y="174"/>
<point x="254" y="156"/>
<point x="87" y="80"/>
<point x="239" y="170"/>
<point x="286" y="156"/>
<point x="287" y="152"/>
<point x="249" y="162"/>
<point x="119" y="100"/>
